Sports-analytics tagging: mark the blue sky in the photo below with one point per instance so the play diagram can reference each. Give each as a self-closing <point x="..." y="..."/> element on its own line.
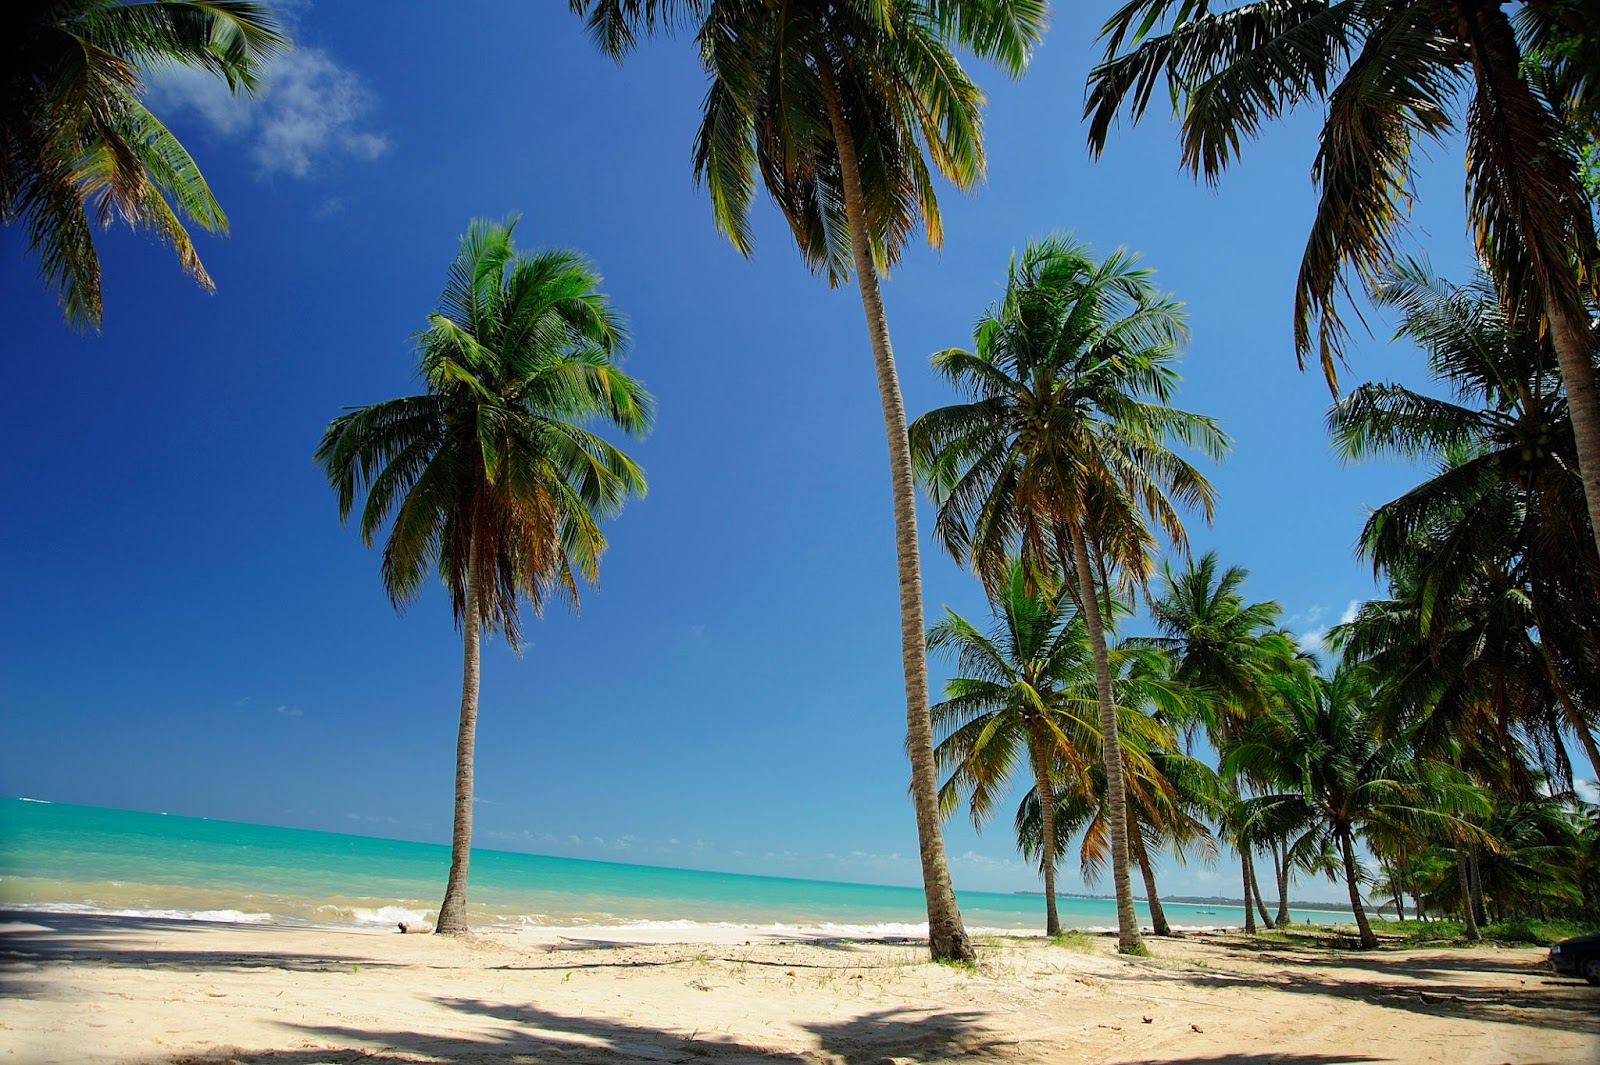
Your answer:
<point x="189" y="628"/>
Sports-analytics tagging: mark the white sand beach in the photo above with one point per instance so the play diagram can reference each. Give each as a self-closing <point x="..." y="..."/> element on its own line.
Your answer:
<point x="100" y="990"/>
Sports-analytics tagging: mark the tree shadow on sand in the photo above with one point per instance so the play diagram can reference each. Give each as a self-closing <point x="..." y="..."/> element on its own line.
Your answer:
<point x="1258" y="1059"/>
<point x="1416" y="985"/>
<point x="36" y="938"/>
<point x="528" y="1035"/>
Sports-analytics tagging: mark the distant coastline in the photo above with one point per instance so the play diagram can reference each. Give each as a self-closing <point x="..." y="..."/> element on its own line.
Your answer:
<point x="1199" y="900"/>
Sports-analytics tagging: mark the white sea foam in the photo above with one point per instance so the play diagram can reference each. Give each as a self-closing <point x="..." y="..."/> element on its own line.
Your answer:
<point x="383" y="915"/>
<point x="210" y="916"/>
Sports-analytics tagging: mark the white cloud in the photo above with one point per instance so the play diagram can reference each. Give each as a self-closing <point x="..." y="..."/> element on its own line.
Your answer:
<point x="309" y="110"/>
<point x="1310" y="630"/>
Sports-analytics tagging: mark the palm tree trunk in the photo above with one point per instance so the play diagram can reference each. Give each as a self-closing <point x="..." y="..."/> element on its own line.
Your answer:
<point x="1399" y="890"/>
<point x="947" y="937"/>
<point x="1047" y="824"/>
<point x="453" y="910"/>
<point x="1368" y="939"/>
<point x="1280" y="869"/>
<point x="1111" y="742"/>
<point x="1535" y="178"/>
<point x="1158" y="916"/>
<point x="1475" y="877"/>
<point x="1261" y="904"/>
<point x="1469" y="919"/>
<point x="1245" y="871"/>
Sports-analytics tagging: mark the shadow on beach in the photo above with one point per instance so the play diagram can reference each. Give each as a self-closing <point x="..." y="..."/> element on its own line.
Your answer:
<point x="1432" y="985"/>
<point x="30" y="938"/>
<point x="533" y="1036"/>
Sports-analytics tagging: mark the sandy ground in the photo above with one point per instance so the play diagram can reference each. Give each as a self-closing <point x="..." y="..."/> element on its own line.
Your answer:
<point x="79" y="989"/>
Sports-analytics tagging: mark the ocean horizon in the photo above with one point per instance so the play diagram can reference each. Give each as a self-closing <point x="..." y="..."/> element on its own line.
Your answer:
<point x="65" y="857"/>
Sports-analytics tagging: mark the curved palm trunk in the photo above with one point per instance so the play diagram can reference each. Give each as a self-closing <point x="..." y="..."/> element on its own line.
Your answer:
<point x="1280" y="869"/>
<point x="1158" y="916"/>
<point x="1529" y="173"/>
<point x="1047" y="824"/>
<point x="1247" y="874"/>
<point x="1368" y="939"/>
<point x="947" y="937"/>
<point x="1111" y="743"/>
<point x="453" y="910"/>
<point x="1261" y="903"/>
<point x="1469" y="918"/>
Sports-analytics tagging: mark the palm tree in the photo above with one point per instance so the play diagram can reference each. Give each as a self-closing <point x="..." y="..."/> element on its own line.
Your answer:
<point x="1063" y="450"/>
<point x="1502" y="521"/>
<point x="489" y="476"/>
<point x="1231" y="651"/>
<point x="841" y="106"/>
<point x="1337" y="773"/>
<point x="1010" y="696"/>
<point x="1393" y="74"/>
<point x="77" y="145"/>
<point x="1169" y="797"/>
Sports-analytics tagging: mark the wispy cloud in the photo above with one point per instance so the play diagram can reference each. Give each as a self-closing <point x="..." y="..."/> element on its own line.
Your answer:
<point x="1308" y="625"/>
<point x="309" y="111"/>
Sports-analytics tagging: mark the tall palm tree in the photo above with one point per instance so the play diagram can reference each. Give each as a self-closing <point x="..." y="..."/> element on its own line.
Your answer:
<point x="79" y="148"/>
<point x="1392" y="75"/>
<point x="489" y="477"/>
<point x="841" y="106"/>
<point x="1063" y="451"/>
<point x="1009" y="702"/>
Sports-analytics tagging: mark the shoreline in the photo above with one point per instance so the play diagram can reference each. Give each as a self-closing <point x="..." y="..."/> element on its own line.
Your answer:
<point x="631" y="930"/>
<point x="100" y="990"/>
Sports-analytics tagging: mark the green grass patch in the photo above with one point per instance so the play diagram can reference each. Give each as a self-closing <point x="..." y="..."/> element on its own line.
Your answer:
<point x="1073" y="939"/>
<point x="1520" y="932"/>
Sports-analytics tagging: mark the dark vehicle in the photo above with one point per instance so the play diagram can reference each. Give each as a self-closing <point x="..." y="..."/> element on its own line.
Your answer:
<point x="1579" y="956"/>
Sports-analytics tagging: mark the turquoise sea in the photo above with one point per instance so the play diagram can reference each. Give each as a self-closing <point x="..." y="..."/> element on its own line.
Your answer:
<point x="55" y="856"/>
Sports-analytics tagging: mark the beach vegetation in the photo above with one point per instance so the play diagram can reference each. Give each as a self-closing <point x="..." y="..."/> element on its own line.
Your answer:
<point x="1075" y="940"/>
<point x="1233" y="654"/>
<point x="1512" y="81"/>
<point x="490" y="478"/>
<point x="79" y="147"/>
<point x="1062" y="453"/>
<point x="843" y="113"/>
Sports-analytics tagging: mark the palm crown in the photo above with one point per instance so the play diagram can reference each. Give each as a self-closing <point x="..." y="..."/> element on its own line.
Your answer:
<point x="1069" y="378"/>
<point x="780" y="73"/>
<point x="79" y="148"/>
<point x="489" y="475"/>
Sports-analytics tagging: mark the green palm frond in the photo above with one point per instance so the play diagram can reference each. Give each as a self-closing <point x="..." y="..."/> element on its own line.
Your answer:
<point x="493" y="463"/>
<point x="79" y="149"/>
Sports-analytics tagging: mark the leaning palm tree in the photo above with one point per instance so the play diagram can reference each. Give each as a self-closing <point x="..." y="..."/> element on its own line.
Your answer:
<point x="1009" y="702"/>
<point x="78" y="147"/>
<point x="1394" y="74"/>
<point x="840" y="107"/>
<point x="489" y="477"/>
<point x="1063" y="451"/>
